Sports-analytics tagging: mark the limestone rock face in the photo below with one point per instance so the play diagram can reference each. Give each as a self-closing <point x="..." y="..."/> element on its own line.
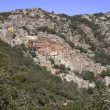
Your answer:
<point x="107" y="80"/>
<point x="66" y="46"/>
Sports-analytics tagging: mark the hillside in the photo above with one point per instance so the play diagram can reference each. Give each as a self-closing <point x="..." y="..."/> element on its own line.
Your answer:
<point x="26" y="86"/>
<point x="54" y="62"/>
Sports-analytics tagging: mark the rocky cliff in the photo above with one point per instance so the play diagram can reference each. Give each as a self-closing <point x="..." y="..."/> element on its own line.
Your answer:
<point x="75" y="48"/>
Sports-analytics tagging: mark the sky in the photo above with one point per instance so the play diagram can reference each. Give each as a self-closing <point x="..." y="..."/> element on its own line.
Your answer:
<point x="70" y="7"/>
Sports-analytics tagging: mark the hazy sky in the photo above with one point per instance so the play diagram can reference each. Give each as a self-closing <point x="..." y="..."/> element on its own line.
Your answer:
<point x="70" y="7"/>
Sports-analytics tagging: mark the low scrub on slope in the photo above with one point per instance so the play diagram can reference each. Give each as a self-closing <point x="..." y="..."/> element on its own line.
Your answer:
<point x="26" y="86"/>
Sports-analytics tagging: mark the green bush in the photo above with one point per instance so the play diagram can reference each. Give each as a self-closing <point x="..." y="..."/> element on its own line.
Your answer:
<point x="64" y="16"/>
<point x="62" y="68"/>
<point x="46" y="29"/>
<point x="71" y="44"/>
<point x="52" y="61"/>
<point x="62" y="36"/>
<point x="105" y="73"/>
<point x="98" y="14"/>
<point x="102" y="57"/>
<point x="88" y="76"/>
<point x="4" y="16"/>
<point x="24" y="27"/>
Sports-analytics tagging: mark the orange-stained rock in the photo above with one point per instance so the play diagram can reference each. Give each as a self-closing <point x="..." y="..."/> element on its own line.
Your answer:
<point x="46" y="46"/>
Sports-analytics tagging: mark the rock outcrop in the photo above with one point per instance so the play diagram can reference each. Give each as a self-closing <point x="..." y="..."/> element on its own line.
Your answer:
<point x="55" y="40"/>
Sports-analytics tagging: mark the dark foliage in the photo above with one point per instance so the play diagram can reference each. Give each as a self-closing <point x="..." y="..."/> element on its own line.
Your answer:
<point x="46" y="29"/>
<point x="105" y="73"/>
<point x="102" y="57"/>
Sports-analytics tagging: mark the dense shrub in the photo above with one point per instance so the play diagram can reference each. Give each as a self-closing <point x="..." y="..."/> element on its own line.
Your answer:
<point x="46" y="29"/>
<point x="24" y="27"/>
<point x="102" y="57"/>
<point x="4" y="16"/>
<point x="62" y="36"/>
<point x="105" y="73"/>
<point x="100" y="99"/>
<point x="71" y="44"/>
<point x="62" y="68"/>
<point x="32" y="53"/>
<point x="64" y="16"/>
<point x="88" y="76"/>
<point x="98" y="14"/>
<point x="52" y="61"/>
